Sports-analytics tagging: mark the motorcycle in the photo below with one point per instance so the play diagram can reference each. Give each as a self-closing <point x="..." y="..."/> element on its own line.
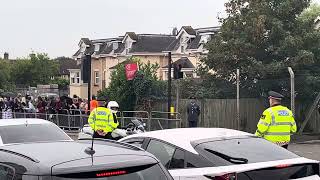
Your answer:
<point x="134" y="127"/>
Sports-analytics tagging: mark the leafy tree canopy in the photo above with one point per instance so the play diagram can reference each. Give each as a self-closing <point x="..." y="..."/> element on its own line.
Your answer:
<point x="262" y="38"/>
<point x="144" y="88"/>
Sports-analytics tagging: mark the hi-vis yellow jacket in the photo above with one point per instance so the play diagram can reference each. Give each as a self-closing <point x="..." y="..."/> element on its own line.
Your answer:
<point x="101" y="118"/>
<point x="276" y="125"/>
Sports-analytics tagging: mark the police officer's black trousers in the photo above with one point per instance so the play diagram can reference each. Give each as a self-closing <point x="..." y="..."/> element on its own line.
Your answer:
<point x="285" y="146"/>
<point x="193" y="124"/>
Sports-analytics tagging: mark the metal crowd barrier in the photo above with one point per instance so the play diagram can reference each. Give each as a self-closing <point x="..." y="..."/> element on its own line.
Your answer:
<point x="72" y="119"/>
<point x="165" y="120"/>
<point x="126" y="116"/>
<point x="75" y="119"/>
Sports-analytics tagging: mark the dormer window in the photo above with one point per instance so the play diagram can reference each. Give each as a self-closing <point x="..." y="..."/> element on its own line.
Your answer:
<point x="83" y="47"/>
<point x="182" y="40"/>
<point x="183" y="49"/>
<point x="115" y="45"/>
<point x="96" y="47"/>
<point x="128" y="46"/>
<point x="205" y="39"/>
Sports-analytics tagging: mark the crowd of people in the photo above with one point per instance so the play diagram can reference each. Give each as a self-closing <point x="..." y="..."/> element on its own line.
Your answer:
<point x="42" y="105"/>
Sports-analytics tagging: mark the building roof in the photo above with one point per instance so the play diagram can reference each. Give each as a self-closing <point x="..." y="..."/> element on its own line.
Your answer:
<point x="147" y="43"/>
<point x="208" y="30"/>
<point x="77" y="53"/>
<point x="189" y="30"/>
<point x="183" y="137"/>
<point x="86" y="41"/>
<point x="195" y="42"/>
<point x="152" y="43"/>
<point x="174" y="45"/>
<point x="120" y="49"/>
<point x="184" y="62"/>
<point x="132" y="35"/>
<point x="66" y="64"/>
<point x="106" y="48"/>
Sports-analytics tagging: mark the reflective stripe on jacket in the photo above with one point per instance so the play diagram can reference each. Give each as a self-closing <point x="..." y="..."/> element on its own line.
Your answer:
<point x="101" y="118"/>
<point x="276" y="124"/>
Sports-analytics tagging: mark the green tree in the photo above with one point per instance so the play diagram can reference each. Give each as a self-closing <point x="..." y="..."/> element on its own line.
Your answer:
<point x="310" y="14"/>
<point x="5" y="79"/>
<point x="262" y="38"/>
<point x="62" y="83"/>
<point x="34" y="70"/>
<point x="138" y="92"/>
<point x="147" y="87"/>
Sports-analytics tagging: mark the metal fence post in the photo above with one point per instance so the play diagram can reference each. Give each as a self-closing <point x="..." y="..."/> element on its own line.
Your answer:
<point x="292" y="90"/>
<point x="122" y="119"/>
<point x="149" y="121"/>
<point x="238" y="99"/>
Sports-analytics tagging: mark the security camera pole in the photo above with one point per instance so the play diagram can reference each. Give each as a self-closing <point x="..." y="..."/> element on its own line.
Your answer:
<point x="169" y="83"/>
<point x="88" y="58"/>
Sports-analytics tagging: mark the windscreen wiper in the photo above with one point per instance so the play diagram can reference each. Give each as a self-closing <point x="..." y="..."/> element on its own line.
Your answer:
<point x="234" y="160"/>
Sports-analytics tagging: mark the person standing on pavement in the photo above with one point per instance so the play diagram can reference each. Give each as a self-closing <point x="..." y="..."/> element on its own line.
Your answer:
<point x="1" y="104"/>
<point x="93" y="103"/>
<point x="7" y="114"/>
<point x="30" y="107"/>
<point x="193" y="111"/>
<point x="41" y="106"/>
<point x="276" y="123"/>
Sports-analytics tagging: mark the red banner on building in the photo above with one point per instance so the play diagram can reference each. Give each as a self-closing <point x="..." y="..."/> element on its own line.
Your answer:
<point x="131" y="70"/>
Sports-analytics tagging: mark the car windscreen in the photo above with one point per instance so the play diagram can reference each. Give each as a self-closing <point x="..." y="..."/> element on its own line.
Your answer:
<point x="31" y="133"/>
<point x="153" y="172"/>
<point x="242" y="151"/>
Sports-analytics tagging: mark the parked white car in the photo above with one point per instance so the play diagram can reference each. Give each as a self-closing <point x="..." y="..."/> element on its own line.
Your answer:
<point x="204" y="153"/>
<point x="17" y="131"/>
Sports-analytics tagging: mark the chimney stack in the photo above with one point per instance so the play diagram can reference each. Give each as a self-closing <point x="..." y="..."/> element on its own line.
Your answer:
<point x="6" y="56"/>
<point x="175" y="31"/>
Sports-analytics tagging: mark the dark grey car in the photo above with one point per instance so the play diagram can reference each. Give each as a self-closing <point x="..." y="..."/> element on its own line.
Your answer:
<point x="35" y="149"/>
<point x="69" y="161"/>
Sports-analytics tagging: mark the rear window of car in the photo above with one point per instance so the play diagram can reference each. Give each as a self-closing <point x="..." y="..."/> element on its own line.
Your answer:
<point x="242" y="150"/>
<point x="153" y="172"/>
<point x="31" y="133"/>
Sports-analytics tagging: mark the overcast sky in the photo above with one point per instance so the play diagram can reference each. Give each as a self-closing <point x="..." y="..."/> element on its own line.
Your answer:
<point x="56" y="26"/>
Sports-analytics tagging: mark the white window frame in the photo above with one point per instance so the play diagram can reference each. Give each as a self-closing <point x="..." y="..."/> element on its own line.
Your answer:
<point x="183" y="49"/>
<point x="96" y="47"/>
<point x="77" y="77"/>
<point x="96" y="77"/>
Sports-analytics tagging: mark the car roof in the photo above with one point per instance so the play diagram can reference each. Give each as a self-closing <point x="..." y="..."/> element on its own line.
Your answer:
<point x="183" y="137"/>
<point x="43" y="156"/>
<point x="22" y="121"/>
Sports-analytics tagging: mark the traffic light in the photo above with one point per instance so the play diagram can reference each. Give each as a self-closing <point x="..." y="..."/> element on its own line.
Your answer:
<point x="177" y="74"/>
<point x="86" y="68"/>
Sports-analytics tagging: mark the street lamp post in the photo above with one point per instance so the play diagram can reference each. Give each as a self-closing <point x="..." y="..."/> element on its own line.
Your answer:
<point x="88" y="59"/>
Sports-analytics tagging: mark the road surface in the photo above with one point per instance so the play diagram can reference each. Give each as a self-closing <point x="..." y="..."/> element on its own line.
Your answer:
<point x="309" y="150"/>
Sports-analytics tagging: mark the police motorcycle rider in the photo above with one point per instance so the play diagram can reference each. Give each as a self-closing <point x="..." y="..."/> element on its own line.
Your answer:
<point x="103" y="121"/>
<point x="114" y="107"/>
